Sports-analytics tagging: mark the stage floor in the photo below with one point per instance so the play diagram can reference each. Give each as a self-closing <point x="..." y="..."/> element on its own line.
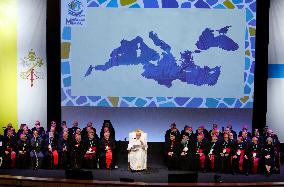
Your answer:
<point x="154" y="174"/>
<point x="157" y="171"/>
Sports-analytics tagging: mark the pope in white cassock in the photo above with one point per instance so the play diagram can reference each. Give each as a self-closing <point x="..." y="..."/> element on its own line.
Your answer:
<point x="137" y="150"/>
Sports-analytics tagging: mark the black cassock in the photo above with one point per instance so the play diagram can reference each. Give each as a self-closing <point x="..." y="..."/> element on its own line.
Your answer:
<point x="1" y="149"/>
<point x="91" y="160"/>
<point x="268" y="150"/>
<point x="107" y="157"/>
<point x="172" y="161"/>
<point x="227" y="149"/>
<point x="276" y="144"/>
<point x="240" y="163"/>
<point x="77" y="155"/>
<point x="186" y="156"/>
<point x="9" y="144"/>
<point x="201" y="151"/>
<point x="213" y="156"/>
<point x="254" y="155"/>
<point x="36" y="152"/>
<point x="64" y="156"/>
<point x="51" y="157"/>
<point x="108" y="124"/>
<point x="23" y="154"/>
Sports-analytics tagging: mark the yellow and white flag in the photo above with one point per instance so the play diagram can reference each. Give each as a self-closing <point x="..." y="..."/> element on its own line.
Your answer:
<point x="22" y="62"/>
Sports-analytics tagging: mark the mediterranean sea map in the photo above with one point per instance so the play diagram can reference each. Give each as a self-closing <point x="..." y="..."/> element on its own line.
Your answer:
<point x="164" y="68"/>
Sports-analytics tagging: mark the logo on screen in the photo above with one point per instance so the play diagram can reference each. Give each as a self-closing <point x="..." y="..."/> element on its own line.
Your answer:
<point x="76" y="13"/>
<point x="32" y="63"/>
<point x="75" y="8"/>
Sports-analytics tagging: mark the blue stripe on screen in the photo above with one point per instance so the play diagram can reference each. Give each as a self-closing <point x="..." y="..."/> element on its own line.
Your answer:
<point x="275" y="70"/>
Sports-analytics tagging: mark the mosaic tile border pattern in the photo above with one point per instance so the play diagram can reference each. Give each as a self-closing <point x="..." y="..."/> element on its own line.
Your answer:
<point x="189" y="102"/>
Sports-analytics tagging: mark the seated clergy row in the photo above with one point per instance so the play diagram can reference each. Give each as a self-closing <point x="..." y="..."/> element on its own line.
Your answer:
<point x="222" y="152"/>
<point x="201" y="150"/>
<point x="68" y="148"/>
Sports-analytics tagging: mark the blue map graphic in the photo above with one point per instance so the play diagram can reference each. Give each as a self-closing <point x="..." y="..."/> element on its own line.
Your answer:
<point x="164" y="68"/>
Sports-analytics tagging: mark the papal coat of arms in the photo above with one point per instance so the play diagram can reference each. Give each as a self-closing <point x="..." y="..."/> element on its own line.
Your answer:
<point x="32" y="63"/>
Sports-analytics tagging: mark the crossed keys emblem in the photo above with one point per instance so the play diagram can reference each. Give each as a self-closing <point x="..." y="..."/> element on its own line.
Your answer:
<point x="32" y="62"/>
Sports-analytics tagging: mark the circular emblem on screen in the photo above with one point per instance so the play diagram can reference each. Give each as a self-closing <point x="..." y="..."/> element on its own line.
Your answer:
<point x="75" y="8"/>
